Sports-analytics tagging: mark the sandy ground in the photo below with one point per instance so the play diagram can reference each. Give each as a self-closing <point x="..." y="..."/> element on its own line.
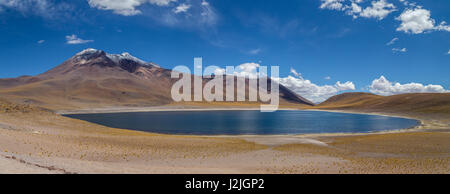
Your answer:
<point x="44" y="142"/>
<point x="156" y="109"/>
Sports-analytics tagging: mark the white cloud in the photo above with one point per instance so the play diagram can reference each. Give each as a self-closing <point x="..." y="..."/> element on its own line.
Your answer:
<point x="443" y="27"/>
<point x="126" y="7"/>
<point x="407" y="3"/>
<point x="379" y="9"/>
<point x="418" y="20"/>
<point x="255" y="51"/>
<point x="415" y="21"/>
<point x="448" y="53"/>
<point x="311" y="91"/>
<point x="354" y="9"/>
<point x="208" y="14"/>
<point x="220" y="71"/>
<point x="162" y="2"/>
<point x="73" y="39"/>
<point x="43" y="8"/>
<point x="332" y="4"/>
<point x="40" y="41"/>
<point x="166" y="12"/>
<point x="205" y="3"/>
<point x="345" y="86"/>
<point x="25" y="5"/>
<point x="392" y="41"/>
<point x="402" y="50"/>
<point x="201" y="14"/>
<point x="122" y="7"/>
<point x="247" y="70"/>
<point x="384" y="87"/>
<point x="182" y="8"/>
<point x="293" y="71"/>
<point x="296" y="83"/>
<point x="327" y="78"/>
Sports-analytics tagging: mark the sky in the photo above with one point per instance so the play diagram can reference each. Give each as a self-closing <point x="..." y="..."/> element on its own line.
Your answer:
<point x="323" y="47"/>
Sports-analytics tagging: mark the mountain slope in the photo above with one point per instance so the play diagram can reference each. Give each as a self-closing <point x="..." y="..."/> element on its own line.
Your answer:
<point x="95" y="79"/>
<point x="429" y="103"/>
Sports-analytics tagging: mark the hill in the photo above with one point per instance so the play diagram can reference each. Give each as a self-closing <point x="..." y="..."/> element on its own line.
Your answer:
<point x="96" y="79"/>
<point x="428" y="103"/>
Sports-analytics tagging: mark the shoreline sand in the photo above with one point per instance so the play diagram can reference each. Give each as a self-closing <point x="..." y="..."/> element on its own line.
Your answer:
<point x="44" y="142"/>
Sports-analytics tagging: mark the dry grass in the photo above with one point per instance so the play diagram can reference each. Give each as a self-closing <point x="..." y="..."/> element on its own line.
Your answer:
<point x="42" y="138"/>
<point x="437" y="104"/>
<point x="415" y="152"/>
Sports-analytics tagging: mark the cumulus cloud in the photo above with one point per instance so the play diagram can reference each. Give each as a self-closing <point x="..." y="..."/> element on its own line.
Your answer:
<point x="384" y="87"/>
<point x="392" y="41"/>
<point x="296" y="83"/>
<point x="311" y="91"/>
<point x="418" y="20"/>
<point x="182" y="8"/>
<point x="247" y="70"/>
<point x="327" y="78"/>
<point x="448" y="53"/>
<point x="345" y="86"/>
<point x="354" y="10"/>
<point x="40" y="41"/>
<point x="401" y="50"/>
<point x="219" y="71"/>
<point x="126" y="7"/>
<point x="73" y="39"/>
<point x="379" y="9"/>
<point x="414" y="19"/>
<point x="332" y="4"/>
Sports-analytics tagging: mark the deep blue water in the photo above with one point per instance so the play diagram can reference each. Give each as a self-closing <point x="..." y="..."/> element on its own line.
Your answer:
<point x="247" y="122"/>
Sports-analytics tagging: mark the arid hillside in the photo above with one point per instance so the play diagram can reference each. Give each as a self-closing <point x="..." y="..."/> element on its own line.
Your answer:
<point x="404" y="103"/>
<point x="96" y="79"/>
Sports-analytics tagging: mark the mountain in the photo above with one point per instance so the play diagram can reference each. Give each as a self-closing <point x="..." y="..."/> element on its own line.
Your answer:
<point x="96" y="79"/>
<point x="428" y="103"/>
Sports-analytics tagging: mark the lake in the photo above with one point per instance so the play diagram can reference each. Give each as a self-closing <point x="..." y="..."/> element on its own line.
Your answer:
<point x="247" y="122"/>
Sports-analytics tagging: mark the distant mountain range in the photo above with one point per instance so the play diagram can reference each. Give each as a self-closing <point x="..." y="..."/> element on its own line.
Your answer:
<point x="96" y="79"/>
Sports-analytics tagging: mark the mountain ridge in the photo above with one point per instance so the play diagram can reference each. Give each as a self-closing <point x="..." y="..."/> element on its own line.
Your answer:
<point x="413" y="103"/>
<point x="95" y="79"/>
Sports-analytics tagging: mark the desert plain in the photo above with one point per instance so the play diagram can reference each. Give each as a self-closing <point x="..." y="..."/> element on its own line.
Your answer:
<point x="37" y="140"/>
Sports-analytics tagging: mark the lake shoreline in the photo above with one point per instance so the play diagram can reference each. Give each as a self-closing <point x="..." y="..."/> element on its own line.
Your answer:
<point x="419" y="127"/>
<point x="43" y="139"/>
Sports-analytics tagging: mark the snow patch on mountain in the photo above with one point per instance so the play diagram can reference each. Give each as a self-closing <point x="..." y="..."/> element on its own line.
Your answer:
<point x="125" y="56"/>
<point x="116" y="58"/>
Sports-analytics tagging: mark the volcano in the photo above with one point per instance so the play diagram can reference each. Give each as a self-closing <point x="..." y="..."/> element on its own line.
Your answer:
<point x="95" y="79"/>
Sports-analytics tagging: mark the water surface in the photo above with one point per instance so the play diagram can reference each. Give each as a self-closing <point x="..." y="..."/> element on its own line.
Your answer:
<point x="247" y="122"/>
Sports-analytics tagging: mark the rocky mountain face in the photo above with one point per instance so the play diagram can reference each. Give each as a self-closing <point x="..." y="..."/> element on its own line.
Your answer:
<point x="96" y="79"/>
<point x="90" y="61"/>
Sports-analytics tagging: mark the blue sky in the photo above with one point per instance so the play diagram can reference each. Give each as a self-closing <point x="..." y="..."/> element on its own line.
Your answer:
<point x="334" y="46"/>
